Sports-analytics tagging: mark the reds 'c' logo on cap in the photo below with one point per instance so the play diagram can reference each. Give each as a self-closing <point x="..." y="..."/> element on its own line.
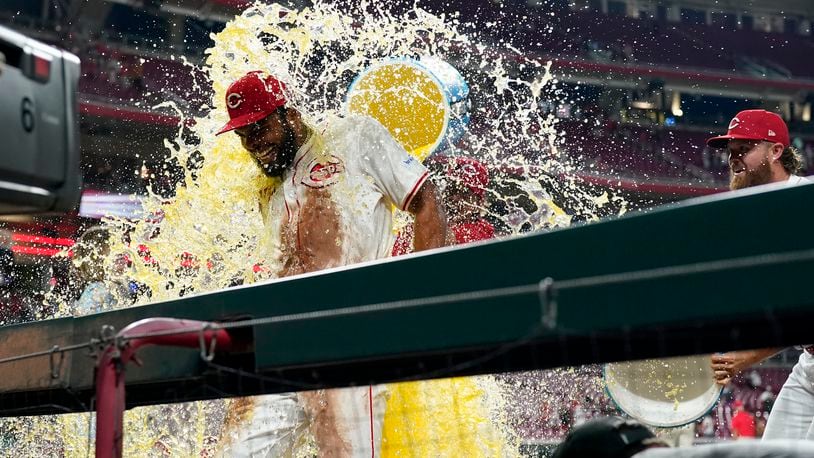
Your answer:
<point x="754" y="125"/>
<point x="470" y="170"/>
<point x="251" y="98"/>
<point x="734" y="123"/>
<point x="234" y="100"/>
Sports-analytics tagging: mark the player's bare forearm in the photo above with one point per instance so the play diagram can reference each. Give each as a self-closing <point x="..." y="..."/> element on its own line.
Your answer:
<point x="430" y="218"/>
<point x="727" y="365"/>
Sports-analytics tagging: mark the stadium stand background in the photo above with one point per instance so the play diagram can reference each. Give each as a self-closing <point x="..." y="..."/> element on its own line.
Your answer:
<point x="648" y="81"/>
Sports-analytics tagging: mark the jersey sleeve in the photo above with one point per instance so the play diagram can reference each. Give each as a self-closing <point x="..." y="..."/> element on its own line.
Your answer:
<point x="398" y="174"/>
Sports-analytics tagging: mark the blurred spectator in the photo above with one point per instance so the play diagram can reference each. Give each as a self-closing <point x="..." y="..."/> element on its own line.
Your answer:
<point x="114" y="174"/>
<point x="11" y="304"/>
<point x="627" y="52"/>
<point x="113" y="66"/>
<point x="706" y="157"/>
<point x="743" y="422"/>
<point x="6" y="267"/>
<point x="579" y="415"/>
<point x="705" y="427"/>
<point x="63" y="286"/>
<point x="99" y="293"/>
<point x="134" y="73"/>
<point x="760" y="423"/>
<point x="808" y="155"/>
<point x="766" y="399"/>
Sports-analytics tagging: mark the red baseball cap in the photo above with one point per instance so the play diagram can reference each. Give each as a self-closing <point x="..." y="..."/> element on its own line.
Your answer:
<point x="468" y="172"/>
<point x="754" y="125"/>
<point x="252" y="98"/>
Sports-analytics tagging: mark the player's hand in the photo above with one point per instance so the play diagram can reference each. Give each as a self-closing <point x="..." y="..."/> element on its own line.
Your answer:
<point x="725" y="366"/>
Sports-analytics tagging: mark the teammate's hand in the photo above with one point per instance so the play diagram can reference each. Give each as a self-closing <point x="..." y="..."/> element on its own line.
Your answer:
<point x="727" y="365"/>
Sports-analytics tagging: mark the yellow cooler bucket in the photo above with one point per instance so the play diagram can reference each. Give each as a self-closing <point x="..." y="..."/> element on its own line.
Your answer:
<point x="412" y="99"/>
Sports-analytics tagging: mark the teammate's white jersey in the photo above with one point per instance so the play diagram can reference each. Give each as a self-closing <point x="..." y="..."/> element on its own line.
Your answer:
<point x="795" y="180"/>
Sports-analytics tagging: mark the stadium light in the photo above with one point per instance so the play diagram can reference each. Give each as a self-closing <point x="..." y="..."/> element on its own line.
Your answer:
<point x="643" y="104"/>
<point x="676" y="105"/>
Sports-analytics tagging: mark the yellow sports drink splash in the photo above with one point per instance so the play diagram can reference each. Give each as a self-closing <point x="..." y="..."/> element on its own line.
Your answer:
<point x="440" y="418"/>
<point x="463" y="416"/>
<point x="211" y="233"/>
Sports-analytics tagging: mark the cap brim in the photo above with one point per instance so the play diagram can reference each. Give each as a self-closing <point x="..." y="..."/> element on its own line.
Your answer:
<point x="242" y="121"/>
<point x="722" y="140"/>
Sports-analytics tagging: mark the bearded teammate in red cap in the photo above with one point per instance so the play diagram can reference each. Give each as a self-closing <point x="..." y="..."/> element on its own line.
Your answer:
<point x="759" y="150"/>
<point x="332" y="208"/>
<point x="759" y="154"/>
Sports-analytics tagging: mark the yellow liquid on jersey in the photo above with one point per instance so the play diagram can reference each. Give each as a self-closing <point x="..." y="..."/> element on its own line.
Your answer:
<point x="445" y="418"/>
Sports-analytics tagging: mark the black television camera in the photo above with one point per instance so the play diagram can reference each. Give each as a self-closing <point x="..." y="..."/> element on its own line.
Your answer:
<point x="39" y="126"/>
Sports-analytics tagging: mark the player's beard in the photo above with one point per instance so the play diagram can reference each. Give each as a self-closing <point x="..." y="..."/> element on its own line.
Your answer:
<point x="284" y="157"/>
<point x="760" y="175"/>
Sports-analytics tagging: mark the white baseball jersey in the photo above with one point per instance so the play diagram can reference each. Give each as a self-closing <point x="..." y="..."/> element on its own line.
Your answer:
<point x="795" y="180"/>
<point x="337" y="196"/>
<point x="343" y="183"/>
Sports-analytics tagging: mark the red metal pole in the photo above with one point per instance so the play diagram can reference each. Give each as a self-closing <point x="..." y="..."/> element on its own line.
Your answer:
<point x="109" y="404"/>
<point x="110" y="392"/>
